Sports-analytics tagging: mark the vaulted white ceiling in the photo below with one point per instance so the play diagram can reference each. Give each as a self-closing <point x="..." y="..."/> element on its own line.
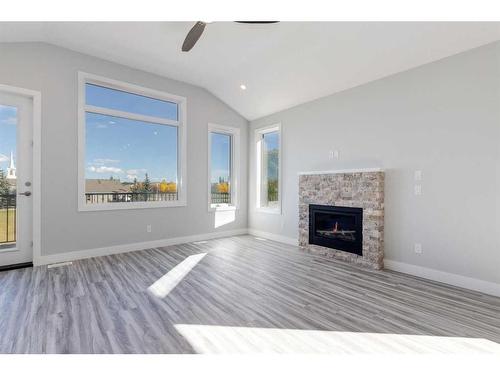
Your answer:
<point x="281" y="64"/>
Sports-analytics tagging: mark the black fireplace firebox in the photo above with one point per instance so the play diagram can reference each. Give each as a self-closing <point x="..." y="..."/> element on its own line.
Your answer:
<point x="339" y="228"/>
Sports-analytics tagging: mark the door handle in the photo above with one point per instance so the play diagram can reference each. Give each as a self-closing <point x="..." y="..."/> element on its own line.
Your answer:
<point x="26" y="193"/>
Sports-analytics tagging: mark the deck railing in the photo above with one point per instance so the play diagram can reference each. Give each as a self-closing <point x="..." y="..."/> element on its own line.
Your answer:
<point x="218" y="198"/>
<point x="99" y="198"/>
<point x="7" y="218"/>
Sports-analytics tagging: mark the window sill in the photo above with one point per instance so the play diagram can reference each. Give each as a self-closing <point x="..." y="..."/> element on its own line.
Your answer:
<point x="83" y="207"/>
<point x="222" y="208"/>
<point x="8" y="249"/>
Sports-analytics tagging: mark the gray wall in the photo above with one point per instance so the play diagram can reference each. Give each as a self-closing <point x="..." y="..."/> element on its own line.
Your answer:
<point x="53" y="71"/>
<point x="442" y="118"/>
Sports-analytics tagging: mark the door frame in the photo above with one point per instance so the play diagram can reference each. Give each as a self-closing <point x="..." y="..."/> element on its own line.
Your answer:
<point x="36" y="98"/>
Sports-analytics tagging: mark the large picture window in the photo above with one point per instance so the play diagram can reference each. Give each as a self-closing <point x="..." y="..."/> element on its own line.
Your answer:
<point x="268" y="146"/>
<point x="223" y="166"/>
<point x="131" y="146"/>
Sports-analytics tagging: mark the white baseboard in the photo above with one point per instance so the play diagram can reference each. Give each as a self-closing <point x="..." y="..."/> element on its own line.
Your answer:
<point x="478" y="285"/>
<point x="465" y="282"/>
<point x="273" y="237"/>
<point x="90" y="253"/>
<point x="426" y="273"/>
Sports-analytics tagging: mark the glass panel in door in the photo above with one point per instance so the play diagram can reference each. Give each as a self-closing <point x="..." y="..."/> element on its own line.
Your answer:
<point x="8" y="176"/>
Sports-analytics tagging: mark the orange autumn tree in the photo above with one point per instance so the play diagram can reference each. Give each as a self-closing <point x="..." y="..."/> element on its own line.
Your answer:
<point x="168" y="187"/>
<point x="223" y="187"/>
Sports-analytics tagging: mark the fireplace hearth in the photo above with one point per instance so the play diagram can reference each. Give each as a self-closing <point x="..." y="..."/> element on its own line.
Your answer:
<point x="339" y="228"/>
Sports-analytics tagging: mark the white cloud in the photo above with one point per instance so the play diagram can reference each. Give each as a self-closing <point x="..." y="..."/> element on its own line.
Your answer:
<point x="105" y="161"/>
<point x="9" y="121"/>
<point x="104" y="169"/>
<point x="136" y="171"/>
<point x="4" y="158"/>
<point x="216" y="173"/>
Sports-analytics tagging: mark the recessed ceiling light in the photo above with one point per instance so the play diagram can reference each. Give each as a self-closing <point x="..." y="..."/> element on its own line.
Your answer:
<point x="243" y="87"/>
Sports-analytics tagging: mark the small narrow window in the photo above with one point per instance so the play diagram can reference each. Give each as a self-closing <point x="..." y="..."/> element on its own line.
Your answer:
<point x="269" y="168"/>
<point x="223" y="151"/>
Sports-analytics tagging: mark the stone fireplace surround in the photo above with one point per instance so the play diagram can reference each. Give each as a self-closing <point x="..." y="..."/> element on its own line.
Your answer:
<point x="363" y="188"/>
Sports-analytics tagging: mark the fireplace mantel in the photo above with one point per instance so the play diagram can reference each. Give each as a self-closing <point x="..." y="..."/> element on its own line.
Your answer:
<point x="340" y="171"/>
<point x="361" y="188"/>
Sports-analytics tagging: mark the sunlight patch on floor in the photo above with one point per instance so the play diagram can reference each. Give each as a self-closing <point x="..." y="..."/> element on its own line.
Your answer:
<point x="163" y="286"/>
<point x="207" y="339"/>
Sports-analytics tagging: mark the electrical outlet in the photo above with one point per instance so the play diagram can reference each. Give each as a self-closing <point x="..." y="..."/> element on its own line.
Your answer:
<point x="418" y="248"/>
<point x="418" y="189"/>
<point x="148" y="228"/>
<point x="418" y="175"/>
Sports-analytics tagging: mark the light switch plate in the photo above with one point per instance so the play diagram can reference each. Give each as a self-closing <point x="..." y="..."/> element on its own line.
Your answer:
<point x="418" y="175"/>
<point x="418" y="189"/>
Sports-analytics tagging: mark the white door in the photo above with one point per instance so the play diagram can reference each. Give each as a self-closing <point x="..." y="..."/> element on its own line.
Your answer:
<point x="16" y="169"/>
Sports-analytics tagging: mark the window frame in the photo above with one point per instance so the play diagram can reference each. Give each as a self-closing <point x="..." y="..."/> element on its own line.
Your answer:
<point x="235" y="166"/>
<point x="259" y="133"/>
<point x="181" y="124"/>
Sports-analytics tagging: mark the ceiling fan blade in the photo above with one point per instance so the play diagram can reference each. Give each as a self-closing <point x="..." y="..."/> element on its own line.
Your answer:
<point x="193" y="36"/>
<point x="257" y="22"/>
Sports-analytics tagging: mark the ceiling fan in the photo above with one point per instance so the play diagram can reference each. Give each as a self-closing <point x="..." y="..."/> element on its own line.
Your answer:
<point x="195" y="33"/>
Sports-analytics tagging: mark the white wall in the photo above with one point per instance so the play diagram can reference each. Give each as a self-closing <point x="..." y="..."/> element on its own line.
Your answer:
<point x="53" y="71"/>
<point x="442" y="118"/>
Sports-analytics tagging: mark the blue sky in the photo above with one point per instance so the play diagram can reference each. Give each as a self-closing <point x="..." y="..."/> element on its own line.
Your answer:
<point x="123" y="101"/>
<point x="272" y="140"/>
<point x="220" y="158"/>
<point x="8" y="120"/>
<point x="272" y="143"/>
<point x="127" y="149"/>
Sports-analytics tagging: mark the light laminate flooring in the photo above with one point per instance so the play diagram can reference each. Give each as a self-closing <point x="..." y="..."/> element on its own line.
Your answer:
<point x="237" y="295"/>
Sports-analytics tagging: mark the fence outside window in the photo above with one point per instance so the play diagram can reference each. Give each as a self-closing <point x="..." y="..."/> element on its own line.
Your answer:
<point x="8" y="219"/>
<point x="218" y="198"/>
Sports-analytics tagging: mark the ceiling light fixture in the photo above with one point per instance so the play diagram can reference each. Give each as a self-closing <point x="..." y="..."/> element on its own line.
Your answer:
<point x="243" y="87"/>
